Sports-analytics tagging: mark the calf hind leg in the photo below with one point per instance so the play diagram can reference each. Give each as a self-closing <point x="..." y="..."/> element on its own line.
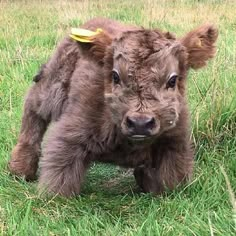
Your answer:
<point x="46" y="102"/>
<point x="25" y="155"/>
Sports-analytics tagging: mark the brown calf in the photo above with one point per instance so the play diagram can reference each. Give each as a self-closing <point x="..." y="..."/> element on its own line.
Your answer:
<point x="118" y="99"/>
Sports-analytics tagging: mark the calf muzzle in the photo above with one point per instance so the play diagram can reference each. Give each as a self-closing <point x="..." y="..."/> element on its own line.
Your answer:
<point x="139" y="125"/>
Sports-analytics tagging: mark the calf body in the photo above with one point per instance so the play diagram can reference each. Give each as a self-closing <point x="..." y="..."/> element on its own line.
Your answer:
<point x="119" y="99"/>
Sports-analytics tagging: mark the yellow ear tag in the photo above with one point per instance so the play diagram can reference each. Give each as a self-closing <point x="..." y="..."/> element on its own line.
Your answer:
<point x="83" y="35"/>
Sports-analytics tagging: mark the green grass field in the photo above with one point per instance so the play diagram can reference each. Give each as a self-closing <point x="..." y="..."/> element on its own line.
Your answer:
<point x="110" y="203"/>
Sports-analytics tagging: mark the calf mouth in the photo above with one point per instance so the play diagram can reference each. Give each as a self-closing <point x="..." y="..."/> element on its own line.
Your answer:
<point x="140" y="138"/>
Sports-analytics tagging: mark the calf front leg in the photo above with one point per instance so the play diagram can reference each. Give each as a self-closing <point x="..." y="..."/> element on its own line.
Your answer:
<point x="172" y="165"/>
<point x="64" y="160"/>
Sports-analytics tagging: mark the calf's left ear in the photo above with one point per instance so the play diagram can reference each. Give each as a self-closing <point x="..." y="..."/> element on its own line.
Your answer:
<point x="200" y="45"/>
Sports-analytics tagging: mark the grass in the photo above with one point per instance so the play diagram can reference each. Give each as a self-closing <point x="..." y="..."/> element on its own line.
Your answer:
<point x="110" y="203"/>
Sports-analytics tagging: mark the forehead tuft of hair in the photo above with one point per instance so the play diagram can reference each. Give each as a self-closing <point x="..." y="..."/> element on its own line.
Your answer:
<point x="151" y="40"/>
<point x="142" y="47"/>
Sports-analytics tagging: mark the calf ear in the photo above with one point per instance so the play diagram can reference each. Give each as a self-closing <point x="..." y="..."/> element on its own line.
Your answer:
<point x="99" y="44"/>
<point x="200" y="45"/>
<point x="93" y="43"/>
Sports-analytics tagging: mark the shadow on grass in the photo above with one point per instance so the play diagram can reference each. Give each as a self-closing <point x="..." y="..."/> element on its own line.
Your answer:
<point x="108" y="190"/>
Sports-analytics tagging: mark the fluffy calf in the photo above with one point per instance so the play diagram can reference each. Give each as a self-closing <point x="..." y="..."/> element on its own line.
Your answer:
<point x="118" y="99"/>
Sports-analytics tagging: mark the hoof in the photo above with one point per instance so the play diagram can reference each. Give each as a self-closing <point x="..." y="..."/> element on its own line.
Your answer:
<point x="24" y="162"/>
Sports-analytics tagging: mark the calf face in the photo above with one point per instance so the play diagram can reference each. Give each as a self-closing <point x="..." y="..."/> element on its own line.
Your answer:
<point x="145" y="73"/>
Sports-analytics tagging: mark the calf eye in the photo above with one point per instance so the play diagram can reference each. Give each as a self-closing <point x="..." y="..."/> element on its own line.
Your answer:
<point x="172" y="81"/>
<point x="115" y="77"/>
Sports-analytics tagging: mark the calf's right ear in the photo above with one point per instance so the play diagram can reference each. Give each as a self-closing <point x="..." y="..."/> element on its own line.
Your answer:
<point x="99" y="44"/>
<point x="200" y="45"/>
<point x="95" y="43"/>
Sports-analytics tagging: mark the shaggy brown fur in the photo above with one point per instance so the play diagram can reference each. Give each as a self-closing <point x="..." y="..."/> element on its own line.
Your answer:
<point x="119" y="99"/>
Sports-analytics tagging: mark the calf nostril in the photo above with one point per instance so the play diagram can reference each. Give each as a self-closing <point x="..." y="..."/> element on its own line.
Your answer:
<point x="150" y="123"/>
<point x="130" y="122"/>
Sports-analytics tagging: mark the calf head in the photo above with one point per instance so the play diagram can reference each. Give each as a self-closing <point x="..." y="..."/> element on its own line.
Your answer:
<point x="145" y="76"/>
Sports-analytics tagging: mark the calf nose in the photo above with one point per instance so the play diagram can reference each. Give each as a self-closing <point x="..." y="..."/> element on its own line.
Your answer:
<point x="140" y="125"/>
